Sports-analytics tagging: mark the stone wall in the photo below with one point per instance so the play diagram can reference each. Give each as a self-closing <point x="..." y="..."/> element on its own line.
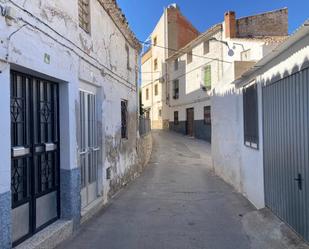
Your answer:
<point x="273" y="23"/>
<point x="144" y="150"/>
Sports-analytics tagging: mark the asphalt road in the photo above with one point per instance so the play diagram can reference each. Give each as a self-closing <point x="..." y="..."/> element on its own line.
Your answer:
<point x="178" y="203"/>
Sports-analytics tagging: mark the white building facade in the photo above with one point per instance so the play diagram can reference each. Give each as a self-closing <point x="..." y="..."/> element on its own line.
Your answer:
<point x="172" y="32"/>
<point x="263" y="116"/>
<point x="217" y="56"/>
<point x="69" y="102"/>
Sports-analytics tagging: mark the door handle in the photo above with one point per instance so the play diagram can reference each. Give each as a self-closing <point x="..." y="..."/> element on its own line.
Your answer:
<point x="50" y="147"/>
<point x="299" y="179"/>
<point x="20" y="151"/>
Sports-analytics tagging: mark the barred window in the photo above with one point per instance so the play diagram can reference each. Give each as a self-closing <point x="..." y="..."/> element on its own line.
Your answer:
<point x="250" y="106"/>
<point x="124" y="119"/>
<point x="207" y="115"/>
<point x="84" y="14"/>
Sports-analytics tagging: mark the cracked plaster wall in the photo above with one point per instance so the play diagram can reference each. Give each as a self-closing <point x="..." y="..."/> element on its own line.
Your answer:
<point x="27" y="48"/>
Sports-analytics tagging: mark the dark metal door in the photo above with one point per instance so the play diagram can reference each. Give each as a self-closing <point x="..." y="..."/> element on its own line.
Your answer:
<point x="286" y="157"/>
<point x="190" y="122"/>
<point x="35" y="155"/>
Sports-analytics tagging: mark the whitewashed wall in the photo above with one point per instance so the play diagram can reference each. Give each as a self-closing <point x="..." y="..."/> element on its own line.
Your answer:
<point x="237" y="164"/>
<point x="71" y="64"/>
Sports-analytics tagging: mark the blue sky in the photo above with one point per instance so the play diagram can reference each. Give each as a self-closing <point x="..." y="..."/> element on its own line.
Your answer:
<point x="144" y="14"/>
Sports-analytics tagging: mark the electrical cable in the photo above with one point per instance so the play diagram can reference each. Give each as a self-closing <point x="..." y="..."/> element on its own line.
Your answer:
<point x="72" y="43"/>
<point x="175" y="50"/>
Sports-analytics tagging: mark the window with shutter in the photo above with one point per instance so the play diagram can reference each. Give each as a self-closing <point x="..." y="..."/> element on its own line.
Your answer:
<point x="207" y="77"/>
<point x="250" y="108"/>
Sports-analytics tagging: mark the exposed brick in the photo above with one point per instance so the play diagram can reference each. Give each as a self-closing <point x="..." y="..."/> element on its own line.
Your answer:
<point x="273" y="23"/>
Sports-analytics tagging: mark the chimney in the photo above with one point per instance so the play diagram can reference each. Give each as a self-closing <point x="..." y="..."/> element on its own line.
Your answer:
<point x="230" y="24"/>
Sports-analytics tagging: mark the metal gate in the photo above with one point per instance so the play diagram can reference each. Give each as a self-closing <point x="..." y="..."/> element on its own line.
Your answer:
<point x="88" y="147"/>
<point x="35" y="155"/>
<point x="286" y="151"/>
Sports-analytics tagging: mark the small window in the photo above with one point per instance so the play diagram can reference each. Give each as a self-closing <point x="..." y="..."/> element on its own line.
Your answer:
<point x="147" y="94"/>
<point x="160" y="113"/>
<point x="189" y="57"/>
<point x="156" y="64"/>
<point x="206" y="47"/>
<point x="124" y="119"/>
<point x="84" y="15"/>
<point x="207" y="77"/>
<point x="176" y="89"/>
<point x="176" y="64"/>
<point x="155" y="41"/>
<point x="128" y="56"/>
<point x="176" y="121"/>
<point x="147" y="114"/>
<point x="246" y="55"/>
<point x="207" y="115"/>
<point x="250" y="108"/>
<point x="156" y="90"/>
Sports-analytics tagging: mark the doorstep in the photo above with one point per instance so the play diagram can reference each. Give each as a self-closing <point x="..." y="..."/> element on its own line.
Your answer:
<point x="50" y="237"/>
<point x="91" y="209"/>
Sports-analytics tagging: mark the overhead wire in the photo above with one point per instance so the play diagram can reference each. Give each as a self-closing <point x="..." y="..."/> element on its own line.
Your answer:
<point x="73" y="44"/>
<point x="181" y="50"/>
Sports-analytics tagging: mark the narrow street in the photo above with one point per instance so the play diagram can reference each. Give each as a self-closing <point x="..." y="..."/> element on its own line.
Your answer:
<point x="176" y="204"/>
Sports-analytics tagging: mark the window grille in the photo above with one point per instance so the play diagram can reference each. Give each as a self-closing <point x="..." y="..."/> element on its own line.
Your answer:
<point x="207" y="115"/>
<point x="84" y="14"/>
<point x="176" y="89"/>
<point x="124" y="119"/>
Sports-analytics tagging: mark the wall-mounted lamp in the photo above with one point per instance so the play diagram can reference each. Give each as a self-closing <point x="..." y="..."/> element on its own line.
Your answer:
<point x="230" y="52"/>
